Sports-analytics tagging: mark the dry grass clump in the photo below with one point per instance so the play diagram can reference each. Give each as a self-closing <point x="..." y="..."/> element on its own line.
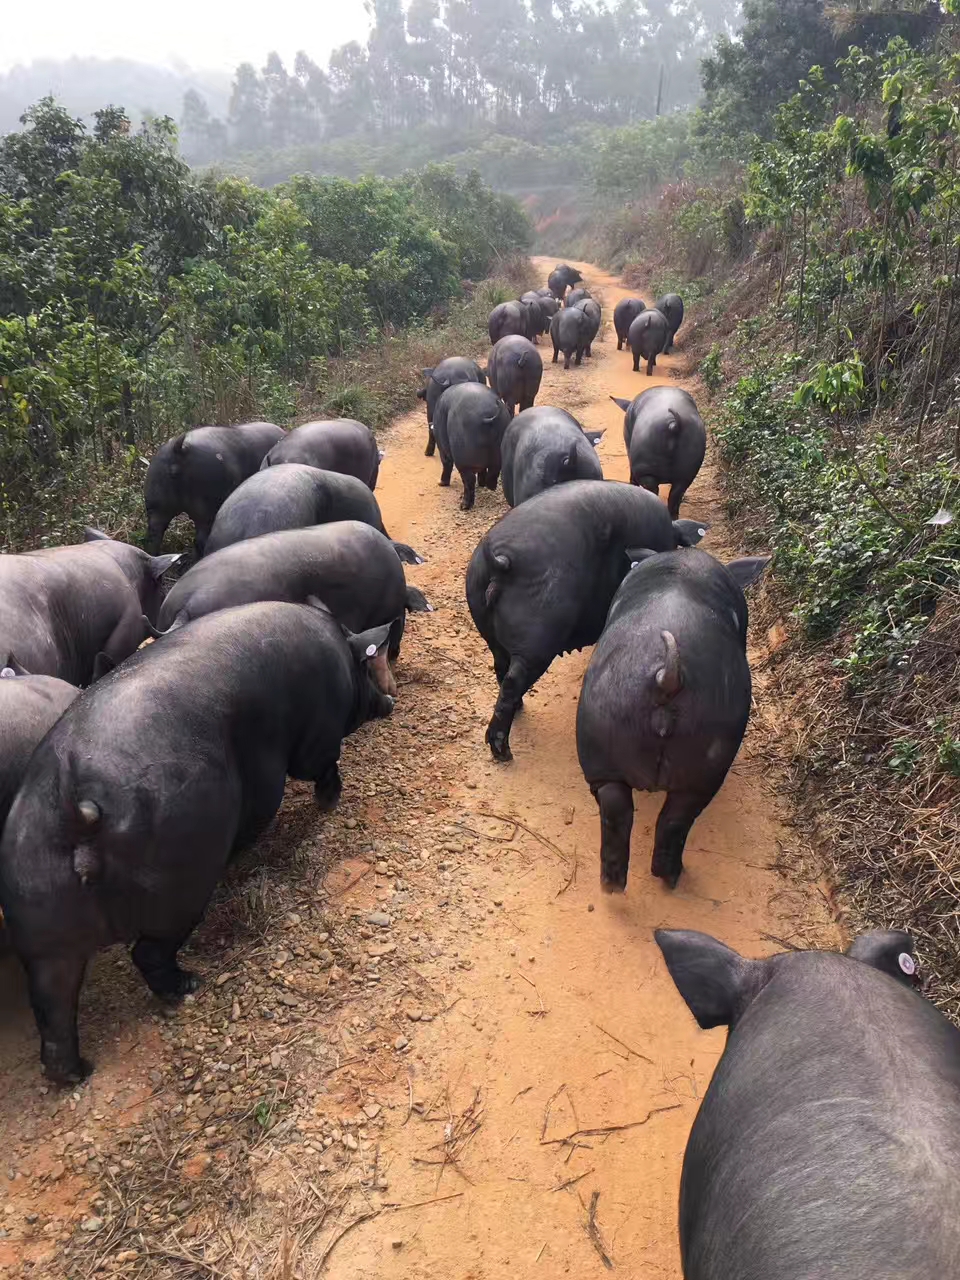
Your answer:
<point x="876" y="783"/>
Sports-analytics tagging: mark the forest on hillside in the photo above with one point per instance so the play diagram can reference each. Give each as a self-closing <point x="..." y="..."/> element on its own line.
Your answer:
<point x="515" y="65"/>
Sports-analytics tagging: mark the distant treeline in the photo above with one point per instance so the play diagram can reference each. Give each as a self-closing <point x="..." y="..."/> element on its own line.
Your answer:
<point x="516" y="66"/>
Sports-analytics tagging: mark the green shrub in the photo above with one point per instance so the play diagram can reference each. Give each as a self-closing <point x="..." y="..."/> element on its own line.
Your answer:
<point x="137" y="299"/>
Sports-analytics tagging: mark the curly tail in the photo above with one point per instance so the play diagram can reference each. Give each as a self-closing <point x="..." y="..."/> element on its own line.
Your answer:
<point x="670" y="678"/>
<point x="86" y="859"/>
<point x="672" y="427"/>
<point x="500" y="564"/>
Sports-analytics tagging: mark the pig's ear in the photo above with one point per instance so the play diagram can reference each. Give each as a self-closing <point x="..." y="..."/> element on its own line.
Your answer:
<point x="153" y="632"/>
<point x="102" y="664"/>
<point x="95" y="535"/>
<point x="747" y="570"/>
<point x="624" y="404"/>
<point x="427" y="374"/>
<point x="594" y="436"/>
<point x="160" y="564"/>
<point x="365" y="645"/>
<point x="637" y="555"/>
<point x="13" y="668"/>
<point x="689" y="532"/>
<point x="711" y="977"/>
<point x="890" y="951"/>
<point x="316" y="603"/>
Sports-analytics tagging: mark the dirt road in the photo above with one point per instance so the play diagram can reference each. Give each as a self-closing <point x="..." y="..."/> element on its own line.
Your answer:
<point x="474" y="1065"/>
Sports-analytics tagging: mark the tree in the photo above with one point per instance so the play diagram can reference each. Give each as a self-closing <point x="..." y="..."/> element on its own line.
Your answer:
<point x="247" y="118"/>
<point x="745" y="81"/>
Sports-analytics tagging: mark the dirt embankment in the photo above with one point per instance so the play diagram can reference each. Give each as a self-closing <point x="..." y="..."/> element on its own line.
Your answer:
<point x="427" y="1046"/>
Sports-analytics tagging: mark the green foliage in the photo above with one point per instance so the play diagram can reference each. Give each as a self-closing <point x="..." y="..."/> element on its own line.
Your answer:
<point x="746" y="79"/>
<point x="850" y="527"/>
<point x="711" y="369"/>
<point x="904" y="756"/>
<point x="838" y="388"/>
<point x="634" y="161"/>
<point x="136" y="300"/>
<point x="351" y="401"/>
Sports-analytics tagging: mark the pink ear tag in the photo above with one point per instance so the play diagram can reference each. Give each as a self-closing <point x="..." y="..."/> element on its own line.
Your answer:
<point x="371" y="650"/>
<point x="907" y="963"/>
<point x="7" y="673"/>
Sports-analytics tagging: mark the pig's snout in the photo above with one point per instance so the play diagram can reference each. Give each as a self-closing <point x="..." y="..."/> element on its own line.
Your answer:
<point x="382" y="676"/>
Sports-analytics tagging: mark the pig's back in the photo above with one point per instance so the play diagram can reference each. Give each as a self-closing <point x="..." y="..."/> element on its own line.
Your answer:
<point x="829" y="1140"/>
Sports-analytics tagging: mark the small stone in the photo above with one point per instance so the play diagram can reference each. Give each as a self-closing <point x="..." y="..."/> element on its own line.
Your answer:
<point x="372" y="1110"/>
<point x="222" y="978"/>
<point x="400" y="1043"/>
<point x="126" y="1255"/>
<point x="414" y="1014"/>
<point x="381" y="948"/>
<point x="196" y="1166"/>
<point x="351" y="824"/>
<point x="91" y="1224"/>
<point x="275" y="1059"/>
<point x="350" y="1142"/>
<point x="380" y="868"/>
<point x="235" y="1011"/>
<point x="398" y="1244"/>
<point x="380" y="918"/>
<point x="31" y="1218"/>
<point x="590" y="906"/>
<point x="498" y="902"/>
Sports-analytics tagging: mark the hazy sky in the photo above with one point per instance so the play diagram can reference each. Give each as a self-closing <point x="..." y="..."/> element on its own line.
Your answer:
<point x="202" y="33"/>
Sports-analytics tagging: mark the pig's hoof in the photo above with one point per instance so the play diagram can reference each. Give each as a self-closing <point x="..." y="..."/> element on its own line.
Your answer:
<point x="612" y="886"/>
<point x="179" y="984"/>
<point x="669" y="875"/>
<point x="444" y="484"/>
<point x="499" y="747"/>
<point x="67" y="1075"/>
<point x="326" y="792"/>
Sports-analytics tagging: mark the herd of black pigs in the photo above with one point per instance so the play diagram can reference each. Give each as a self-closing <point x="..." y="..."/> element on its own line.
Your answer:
<point x="828" y="1142"/>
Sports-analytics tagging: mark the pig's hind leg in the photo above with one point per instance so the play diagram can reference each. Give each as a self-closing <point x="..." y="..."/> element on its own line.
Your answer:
<point x="54" y="983"/>
<point x="156" y="958"/>
<point x="521" y="675"/>
<point x="616" y="823"/>
<point x="677" y="492"/>
<point x="680" y="811"/>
